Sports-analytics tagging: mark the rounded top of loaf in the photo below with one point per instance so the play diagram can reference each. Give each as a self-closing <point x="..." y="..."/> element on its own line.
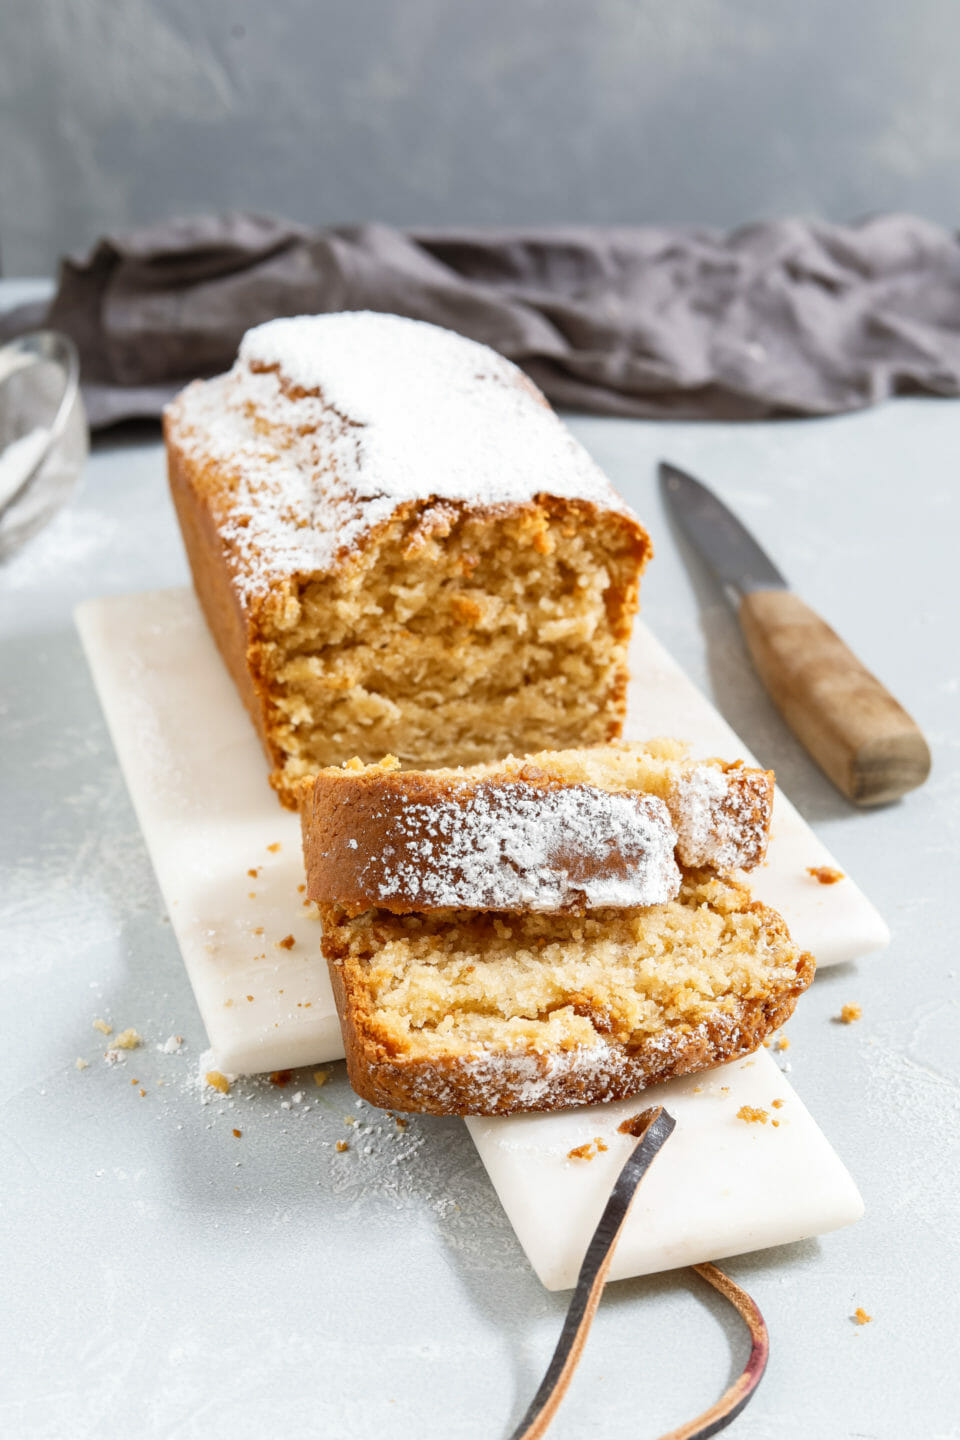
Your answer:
<point x="328" y="423"/>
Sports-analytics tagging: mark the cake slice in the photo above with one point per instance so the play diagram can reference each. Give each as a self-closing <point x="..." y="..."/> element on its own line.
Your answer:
<point x="559" y="830"/>
<point x="400" y="548"/>
<point x="475" y="1012"/>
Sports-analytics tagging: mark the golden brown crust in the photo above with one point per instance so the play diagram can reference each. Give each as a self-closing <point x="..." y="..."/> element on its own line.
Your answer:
<point x="230" y="624"/>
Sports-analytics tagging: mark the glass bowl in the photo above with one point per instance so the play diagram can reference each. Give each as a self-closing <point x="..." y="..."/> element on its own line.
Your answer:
<point x="43" y="432"/>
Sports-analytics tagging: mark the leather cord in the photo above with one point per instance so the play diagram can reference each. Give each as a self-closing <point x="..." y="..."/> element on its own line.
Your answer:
<point x="653" y="1129"/>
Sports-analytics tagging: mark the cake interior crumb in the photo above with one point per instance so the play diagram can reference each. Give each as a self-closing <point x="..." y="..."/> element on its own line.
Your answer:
<point x="218" y="1081"/>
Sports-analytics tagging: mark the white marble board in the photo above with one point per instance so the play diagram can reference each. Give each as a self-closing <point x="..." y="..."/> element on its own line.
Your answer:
<point x="197" y="777"/>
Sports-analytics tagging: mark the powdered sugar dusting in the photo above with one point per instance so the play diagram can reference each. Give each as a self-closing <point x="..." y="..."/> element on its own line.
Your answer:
<point x="722" y="817"/>
<point x="515" y="846"/>
<point x="327" y="422"/>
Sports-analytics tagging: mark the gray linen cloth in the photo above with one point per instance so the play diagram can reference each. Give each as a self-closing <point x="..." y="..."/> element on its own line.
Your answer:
<point x="790" y="317"/>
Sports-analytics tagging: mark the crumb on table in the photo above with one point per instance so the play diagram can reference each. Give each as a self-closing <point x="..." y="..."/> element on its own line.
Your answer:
<point x="80" y="1063"/>
<point x="281" y="1077"/>
<point x="825" y="874"/>
<point x="588" y="1151"/>
<point x="750" y="1115"/>
<point x="320" y="1077"/>
<point x="127" y="1040"/>
<point x="343" y="1145"/>
<point x="860" y="1316"/>
<point x="287" y="943"/>
<point x="783" y="1043"/>
<point x="217" y="1081"/>
<point x="103" y="1027"/>
<point x="848" y="1014"/>
<point x="237" y="1134"/>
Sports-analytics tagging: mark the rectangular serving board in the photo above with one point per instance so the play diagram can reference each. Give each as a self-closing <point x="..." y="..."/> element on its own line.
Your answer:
<point x="197" y="777"/>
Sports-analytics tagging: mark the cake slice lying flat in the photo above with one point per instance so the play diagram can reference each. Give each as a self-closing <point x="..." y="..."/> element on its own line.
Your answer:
<point x="477" y="1013"/>
<point x="559" y="830"/>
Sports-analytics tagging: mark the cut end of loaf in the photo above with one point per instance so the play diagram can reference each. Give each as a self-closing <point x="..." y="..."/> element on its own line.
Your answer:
<point x="453" y="638"/>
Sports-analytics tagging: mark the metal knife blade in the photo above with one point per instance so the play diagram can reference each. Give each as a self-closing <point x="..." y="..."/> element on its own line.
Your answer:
<point x="722" y="540"/>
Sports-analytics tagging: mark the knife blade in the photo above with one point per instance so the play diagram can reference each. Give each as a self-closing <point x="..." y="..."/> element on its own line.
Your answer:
<point x="860" y="736"/>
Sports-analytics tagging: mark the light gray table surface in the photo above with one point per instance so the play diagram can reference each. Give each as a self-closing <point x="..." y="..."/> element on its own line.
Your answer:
<point x="162" y="1278"/>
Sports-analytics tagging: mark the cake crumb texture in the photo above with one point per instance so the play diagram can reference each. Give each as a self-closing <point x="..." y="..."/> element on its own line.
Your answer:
<point x="474" y="1012"/>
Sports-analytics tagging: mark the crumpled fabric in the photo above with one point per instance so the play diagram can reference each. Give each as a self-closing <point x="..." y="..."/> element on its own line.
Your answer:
<point x="786" y="318"/>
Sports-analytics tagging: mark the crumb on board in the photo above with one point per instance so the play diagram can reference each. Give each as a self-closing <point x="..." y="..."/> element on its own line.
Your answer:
<point x="142" y="1092"/>
<point x="860" y="1316"/>
<point x="251" y="894"/>
<point x="300" y="889"/>
<point x="783" y="1043"/>
<point x="218" y="1081"/>
<point x="254" y="873"/>
<point x="127" y="1039"/>
<point x="343" y="1145"/>
<point x="80" y="1063"/>
<point x="401" y="1121"/>
<point x="103" y="1027"/>
<point x="237" y="1134"/>
<point x="588" y="1151"/>
<point x="281" y="1077"/>
<point x="848" y="1014"/>
<point x="751" y="1115"/>
<point x="287" y="943"/>
<point x="249" y="997"/>
<point x="825" y="874"/>
<point x="320" y="1077"/>
<point x="258" y="930"/>
<point x="275" y="848"/>
<point x="777" y="1104"/>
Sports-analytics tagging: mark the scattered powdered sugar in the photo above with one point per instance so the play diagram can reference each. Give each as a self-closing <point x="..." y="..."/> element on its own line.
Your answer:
<point x="327" y="422"/>
<point x="515" y="846"/>
<point x="722" y="817"/>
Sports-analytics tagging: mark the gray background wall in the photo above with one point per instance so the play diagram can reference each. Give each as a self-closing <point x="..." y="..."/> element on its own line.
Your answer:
<point x="114" y="112"/>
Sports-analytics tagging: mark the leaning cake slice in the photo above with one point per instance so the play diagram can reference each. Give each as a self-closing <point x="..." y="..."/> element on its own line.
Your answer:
<point x="473" y="1012"/>
<point x="560" y="830"/>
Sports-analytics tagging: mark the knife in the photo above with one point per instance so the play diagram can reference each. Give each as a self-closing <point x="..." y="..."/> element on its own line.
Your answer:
<point x="859" y="735"/>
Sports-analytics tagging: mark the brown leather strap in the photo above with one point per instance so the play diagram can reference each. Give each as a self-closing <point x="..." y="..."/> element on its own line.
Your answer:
<point x="653" y="1128"/>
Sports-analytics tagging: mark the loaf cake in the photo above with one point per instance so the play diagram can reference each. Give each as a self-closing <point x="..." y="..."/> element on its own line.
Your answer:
<point x="399" y="548"/>
<point x="568" y="829"/>
<point x="483" y="1013"/>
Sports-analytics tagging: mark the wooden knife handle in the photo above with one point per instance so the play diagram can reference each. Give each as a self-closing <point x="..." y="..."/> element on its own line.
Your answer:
<point x="853" y="727"/>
